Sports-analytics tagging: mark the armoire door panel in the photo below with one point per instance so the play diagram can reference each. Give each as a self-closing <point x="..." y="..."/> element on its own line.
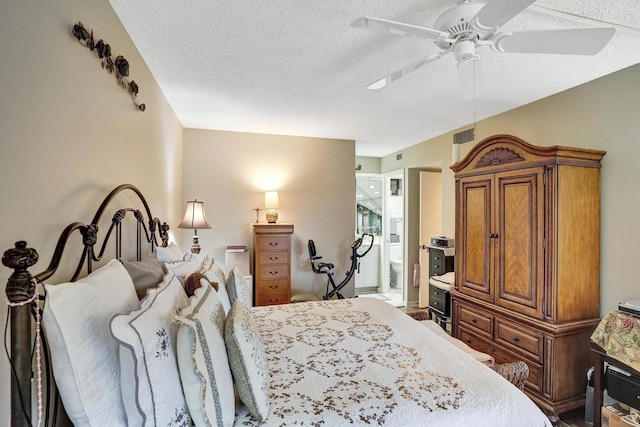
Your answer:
<point x="520" y="203"/>
<point x="474" y="238"/>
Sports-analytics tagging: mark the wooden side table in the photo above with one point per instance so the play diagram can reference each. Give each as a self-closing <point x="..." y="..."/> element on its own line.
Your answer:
<point x="272" y="263"/>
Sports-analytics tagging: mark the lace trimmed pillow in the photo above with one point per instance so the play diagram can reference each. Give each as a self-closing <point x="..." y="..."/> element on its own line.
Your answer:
<point x="202" y="359"/>
<point x="238" y="287"/>
<point x="149" y="378"/>
<point x="248" y="360"/>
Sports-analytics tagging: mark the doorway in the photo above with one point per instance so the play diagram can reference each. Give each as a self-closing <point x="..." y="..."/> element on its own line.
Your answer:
<point x="380" y="212"/>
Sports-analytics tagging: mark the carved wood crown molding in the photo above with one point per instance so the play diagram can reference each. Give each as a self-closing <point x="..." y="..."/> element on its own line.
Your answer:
<point x="498" y="156"/>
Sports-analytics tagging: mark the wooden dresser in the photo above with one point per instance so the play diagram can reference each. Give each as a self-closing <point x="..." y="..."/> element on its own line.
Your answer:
<point x="527" y="284"/>
<point x="272" y="263"/>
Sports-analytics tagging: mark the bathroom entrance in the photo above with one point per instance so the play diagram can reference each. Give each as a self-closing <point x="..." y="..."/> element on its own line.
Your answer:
<point x="380" y="212"/>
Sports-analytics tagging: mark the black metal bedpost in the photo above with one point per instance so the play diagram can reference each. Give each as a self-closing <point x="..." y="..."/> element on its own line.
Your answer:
<point x="20" y="289"/>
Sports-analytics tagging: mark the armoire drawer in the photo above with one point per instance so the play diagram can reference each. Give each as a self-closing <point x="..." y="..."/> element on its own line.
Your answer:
<point x="523" y="340"/>
<point x="476" y="320"/>
<point x="534" y="380"/>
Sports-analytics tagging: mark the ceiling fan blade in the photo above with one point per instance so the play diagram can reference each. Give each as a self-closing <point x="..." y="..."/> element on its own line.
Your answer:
<point x="496" y="12"/>
<point x="379" y="84"/>
<point x="398" y="28"/>
<point x="582" y="41"/>
<point x="471" y="78"/>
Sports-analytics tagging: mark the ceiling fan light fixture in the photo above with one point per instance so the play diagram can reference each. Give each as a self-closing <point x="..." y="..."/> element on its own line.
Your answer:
<point x="464" y="50"/>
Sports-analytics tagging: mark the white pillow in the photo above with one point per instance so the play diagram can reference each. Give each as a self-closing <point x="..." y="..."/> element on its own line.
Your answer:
<point x="196" y="263"/>
<point x="202" y="359"/>
<point x="84" y="356"/>
<point x="248" y="360"/>
<point x="216" y="274"/>
<point x="149" y="380"/>
<point x="170" y="254"/>
<point x="238" y="287"/>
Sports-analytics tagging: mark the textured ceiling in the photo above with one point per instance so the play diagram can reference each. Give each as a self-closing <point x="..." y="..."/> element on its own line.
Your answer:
<point x="299" y="68"/>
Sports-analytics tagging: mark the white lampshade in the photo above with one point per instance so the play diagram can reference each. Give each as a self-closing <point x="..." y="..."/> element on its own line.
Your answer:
<point x="194" y="216"/>
<point x="271" y="200"/>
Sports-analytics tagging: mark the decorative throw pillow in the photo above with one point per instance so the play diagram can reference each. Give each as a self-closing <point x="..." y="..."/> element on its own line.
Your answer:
<point x="202" y="359"/>
<point x="196" y="263"/>
<point x="238" y="288"/>
<point x="171" y="253"/>
<point x="196" y="280"/>
<point x="216" y="274"/>
<point x="84" y="356"/>
<point x="145" y="274"/>
<point x="149" y="380"/>
<point x="248" y="360"/>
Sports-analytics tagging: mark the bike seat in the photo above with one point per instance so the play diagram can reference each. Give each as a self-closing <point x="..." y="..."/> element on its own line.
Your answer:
<point x="325" y="266"/>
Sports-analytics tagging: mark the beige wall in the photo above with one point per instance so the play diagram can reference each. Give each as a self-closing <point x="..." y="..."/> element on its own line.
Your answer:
<point x="315" y="180"/>
<point x="69" y="133"/>
<point x="602" y="114"/>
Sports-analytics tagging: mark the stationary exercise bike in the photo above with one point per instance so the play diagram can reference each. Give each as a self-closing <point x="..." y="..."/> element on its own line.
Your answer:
<point x="326" y="267"/>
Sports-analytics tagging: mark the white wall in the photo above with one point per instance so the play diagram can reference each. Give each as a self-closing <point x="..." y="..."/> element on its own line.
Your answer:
<point x="603" y="115"/>
<point x="69" y="134"/>
<point x="315" y="180"/>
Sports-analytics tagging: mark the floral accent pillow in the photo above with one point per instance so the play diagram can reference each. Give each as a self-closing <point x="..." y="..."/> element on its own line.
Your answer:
<point x="202" y="360"/>
<point x="248" y="360"/>
<point x="149" y="378"/>
<point x="238" y="287"/>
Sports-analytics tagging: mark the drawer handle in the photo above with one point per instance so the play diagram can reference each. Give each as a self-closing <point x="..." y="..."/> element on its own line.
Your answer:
<point x="468" y="340"/>
<point x="272" y="286"/>
<point x="271" y="300"/>
<point x="274" y="258"/>
<point x="273" y="272"/>
<point x="436" y="266"/>
<point x="436" y="303"/>
<point x="436" y="293"/>
<point x="474" y="320"/>
<point x="273" y="243"/>
<point x="516" y="338"/>
<point x="436" y="258"/>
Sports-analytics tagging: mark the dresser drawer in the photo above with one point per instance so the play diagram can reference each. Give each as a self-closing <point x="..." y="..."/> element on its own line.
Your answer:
<point x="273" y="285"/>
<point x="525" y="341"/>
<point x="273" y="298"/>
<point x="439" y="300"/>
<point x="274" y="257"/>
<point x="534" y="380"/>
<point x="267" y="243"/>
<point x="476" y="320"/>
<point x="275" y="271"/>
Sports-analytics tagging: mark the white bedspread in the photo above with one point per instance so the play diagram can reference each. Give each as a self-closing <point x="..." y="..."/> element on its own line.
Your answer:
<point x="362" y="361"/>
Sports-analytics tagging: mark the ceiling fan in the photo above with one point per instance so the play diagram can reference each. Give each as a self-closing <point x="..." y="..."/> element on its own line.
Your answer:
<point x="470" y="25"/>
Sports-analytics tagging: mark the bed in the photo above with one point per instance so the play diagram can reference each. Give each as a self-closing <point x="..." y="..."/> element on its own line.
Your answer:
<point x="339" y="362"/>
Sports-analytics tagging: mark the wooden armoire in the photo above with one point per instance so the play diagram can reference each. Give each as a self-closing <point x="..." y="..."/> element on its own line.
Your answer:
<point x="527" y="271"/>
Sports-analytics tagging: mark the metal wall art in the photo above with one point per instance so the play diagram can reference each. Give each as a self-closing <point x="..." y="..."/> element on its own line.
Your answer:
<point x="120" y="65"/>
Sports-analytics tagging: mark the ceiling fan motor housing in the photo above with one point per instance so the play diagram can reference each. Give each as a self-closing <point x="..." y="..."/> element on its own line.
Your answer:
<point x="457" y="22"/>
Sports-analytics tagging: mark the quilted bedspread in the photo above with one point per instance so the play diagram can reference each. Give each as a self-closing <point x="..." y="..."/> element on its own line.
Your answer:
<point x="362" y="361"/>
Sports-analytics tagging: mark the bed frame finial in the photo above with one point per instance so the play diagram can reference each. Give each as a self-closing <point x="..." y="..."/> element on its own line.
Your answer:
<point x="20" y="287"/>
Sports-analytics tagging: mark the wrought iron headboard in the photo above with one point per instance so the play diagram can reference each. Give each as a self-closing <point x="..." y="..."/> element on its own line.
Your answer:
<point x="21" y="290"/>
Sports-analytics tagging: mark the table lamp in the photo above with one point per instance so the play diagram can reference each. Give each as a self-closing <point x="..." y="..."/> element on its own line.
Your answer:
<point x="271" y="203"/>
<point x="195" y="218"/>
